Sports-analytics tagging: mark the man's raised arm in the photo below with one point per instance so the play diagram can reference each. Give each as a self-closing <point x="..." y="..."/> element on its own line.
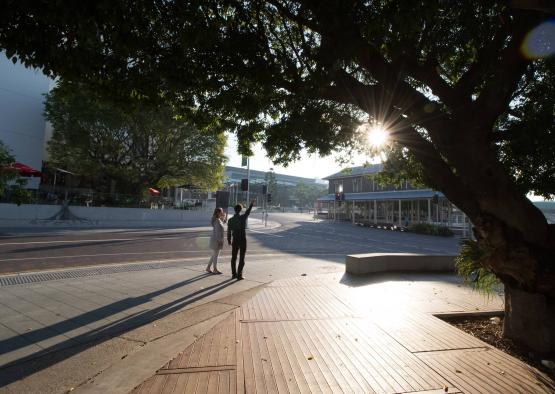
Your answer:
<point x="248" y="211"/>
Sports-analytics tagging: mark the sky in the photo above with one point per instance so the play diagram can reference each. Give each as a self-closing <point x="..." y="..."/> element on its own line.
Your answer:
<point x="309" y="166"/>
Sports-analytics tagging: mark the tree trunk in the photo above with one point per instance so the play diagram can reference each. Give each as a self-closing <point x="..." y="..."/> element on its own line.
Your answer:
<point x="530" y="320"/>
<point x="527" y="269"/>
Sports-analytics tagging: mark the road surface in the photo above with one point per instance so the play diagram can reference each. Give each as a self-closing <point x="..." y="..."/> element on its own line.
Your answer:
<point x="297" y="235"/>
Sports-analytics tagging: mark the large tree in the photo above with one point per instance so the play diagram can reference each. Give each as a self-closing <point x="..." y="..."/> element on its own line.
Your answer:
<point x="308" y="193"/>
<point x="137" y="145"/>
<point x="457" y="82"/>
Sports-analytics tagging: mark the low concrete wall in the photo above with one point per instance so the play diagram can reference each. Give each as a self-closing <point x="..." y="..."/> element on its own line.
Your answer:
<point x="371" y="263"/>
<point x="32" y="215"/>
<point x="27" y="211"/>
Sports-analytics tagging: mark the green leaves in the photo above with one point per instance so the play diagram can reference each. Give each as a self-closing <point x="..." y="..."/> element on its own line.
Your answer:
<point x="307" y="194"/>
<point x="6" y="175"/>
<point x="471" y="265"/>
<point x="137" y="145"/>
<point x="297" y="75"/>
<point x="526" y="134"/>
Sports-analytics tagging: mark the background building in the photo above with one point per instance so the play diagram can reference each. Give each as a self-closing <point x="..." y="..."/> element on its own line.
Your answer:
<point x="235" y="174"/>
<point x="354" y="194"/>
<point x="22" y="124"/>
<point x="286" y="190"/>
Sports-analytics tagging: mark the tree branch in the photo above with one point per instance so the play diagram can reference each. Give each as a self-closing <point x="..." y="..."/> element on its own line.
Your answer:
<point x="546" y="6"/>
<point x="294" y="17"/>
<point x="427" y="74"/>
<point x="497" y="92"/>
<point x="467" y="84"/>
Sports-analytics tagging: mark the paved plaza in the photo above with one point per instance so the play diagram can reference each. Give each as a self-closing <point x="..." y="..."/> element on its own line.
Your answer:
<point x="117" y="317"/>
<point x="330" y="333"/>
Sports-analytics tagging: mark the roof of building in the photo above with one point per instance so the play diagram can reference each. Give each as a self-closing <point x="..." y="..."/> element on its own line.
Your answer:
<point x="235" y="174"/>
<point x="386" y="195"/>
<point x="356" y="171"/>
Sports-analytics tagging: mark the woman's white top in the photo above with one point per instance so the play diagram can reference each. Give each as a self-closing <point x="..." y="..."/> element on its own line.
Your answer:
<point x="217" y="238"/>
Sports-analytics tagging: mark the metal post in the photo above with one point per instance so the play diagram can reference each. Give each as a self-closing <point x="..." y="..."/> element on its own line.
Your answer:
<point x="400" y="221"/>
<point x="375" y="212"/>
<point x="248" y="179"/>
<point x="429" y="210"/>
<point x="418" y="211"/>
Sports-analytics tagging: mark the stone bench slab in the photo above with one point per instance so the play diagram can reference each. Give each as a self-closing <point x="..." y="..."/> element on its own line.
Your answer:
<point x="370" y="263"/>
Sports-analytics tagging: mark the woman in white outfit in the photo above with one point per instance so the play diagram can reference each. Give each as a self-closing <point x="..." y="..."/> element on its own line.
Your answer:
<point x="216" y="240"/>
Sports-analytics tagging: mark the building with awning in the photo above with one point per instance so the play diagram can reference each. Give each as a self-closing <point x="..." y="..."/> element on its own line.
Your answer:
<point x="355" y="195"/>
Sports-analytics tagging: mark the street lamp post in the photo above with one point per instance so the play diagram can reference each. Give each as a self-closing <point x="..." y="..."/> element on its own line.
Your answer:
<point x="248" y="179"/>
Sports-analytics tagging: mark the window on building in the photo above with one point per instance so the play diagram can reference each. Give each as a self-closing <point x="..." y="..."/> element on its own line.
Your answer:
<point x="357" y="185"/>
<point x="339" y="186"/>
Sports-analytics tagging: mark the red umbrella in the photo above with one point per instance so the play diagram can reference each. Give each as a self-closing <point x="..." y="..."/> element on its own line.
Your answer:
<point x="153" y="192"/>
<point x="24" y="170"/>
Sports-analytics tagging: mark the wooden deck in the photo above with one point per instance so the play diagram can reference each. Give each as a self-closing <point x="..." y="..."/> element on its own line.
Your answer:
<point x="209" y="365"/>
<point x="306" y="335"/>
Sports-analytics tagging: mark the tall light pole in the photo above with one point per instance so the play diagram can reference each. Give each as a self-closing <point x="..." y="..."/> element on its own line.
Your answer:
<point x="248" y="178"/>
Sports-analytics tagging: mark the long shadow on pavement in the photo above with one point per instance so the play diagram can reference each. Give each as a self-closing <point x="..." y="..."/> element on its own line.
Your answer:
<point x="20" y="368"/>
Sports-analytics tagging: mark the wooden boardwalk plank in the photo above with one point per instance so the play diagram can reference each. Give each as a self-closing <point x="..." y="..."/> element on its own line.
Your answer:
<point x="277" y="303"/>
<point x="487" y="371"/>
<point x="313" y="357"/>
<point x="330" y="355"/>
<point x="296" y="381"/>
<point x="336" y="354"/>
<point x="170" y="384"/>
<point x="279" y="370"/>
<point x="421" y="332"/>
<point x="248" y="364"/>
<point x="367" y="359"/>
<point x="267" y="366"/>
<point x="215" y="348"/>
<point x="238" y="354"/>
<point x="305" y="335"/>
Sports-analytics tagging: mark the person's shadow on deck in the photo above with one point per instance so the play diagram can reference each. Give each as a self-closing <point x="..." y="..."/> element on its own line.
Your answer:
<point x="15" y="370"/>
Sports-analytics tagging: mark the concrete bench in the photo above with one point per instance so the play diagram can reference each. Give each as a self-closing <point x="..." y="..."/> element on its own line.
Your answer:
<point x="370" y="263"/>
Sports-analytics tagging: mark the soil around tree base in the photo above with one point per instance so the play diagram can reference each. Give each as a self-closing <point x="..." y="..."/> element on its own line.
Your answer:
<point x="490" y="330"/>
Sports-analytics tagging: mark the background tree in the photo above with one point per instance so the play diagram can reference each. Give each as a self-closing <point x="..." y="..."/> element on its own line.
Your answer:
<point x="18" y="194"/>
<point x="137" y="145"/>
<point x="270" y="178"/>
<point x="443" y="76"/>
<point x="307" y="194"/>
<point x="6" y="174"/>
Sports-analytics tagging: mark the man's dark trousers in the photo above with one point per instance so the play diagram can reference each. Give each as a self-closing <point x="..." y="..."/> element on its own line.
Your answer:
<point x="241" y="247"/>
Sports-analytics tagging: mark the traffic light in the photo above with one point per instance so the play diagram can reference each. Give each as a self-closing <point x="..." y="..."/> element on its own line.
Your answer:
<point x="244" y="185"/>
<point x="268" y="197"/>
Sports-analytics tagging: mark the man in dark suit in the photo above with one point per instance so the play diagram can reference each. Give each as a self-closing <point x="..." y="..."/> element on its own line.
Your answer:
<point x="236" y="227"/>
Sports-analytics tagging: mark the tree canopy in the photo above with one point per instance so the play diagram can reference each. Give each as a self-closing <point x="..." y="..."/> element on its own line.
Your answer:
<point x="138" y="146"/>
<point x="308" y="193"/>
<point x="459" y="84"/>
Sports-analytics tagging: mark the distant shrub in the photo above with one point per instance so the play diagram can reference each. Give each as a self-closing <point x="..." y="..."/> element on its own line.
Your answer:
<point x="430" y="229"/>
